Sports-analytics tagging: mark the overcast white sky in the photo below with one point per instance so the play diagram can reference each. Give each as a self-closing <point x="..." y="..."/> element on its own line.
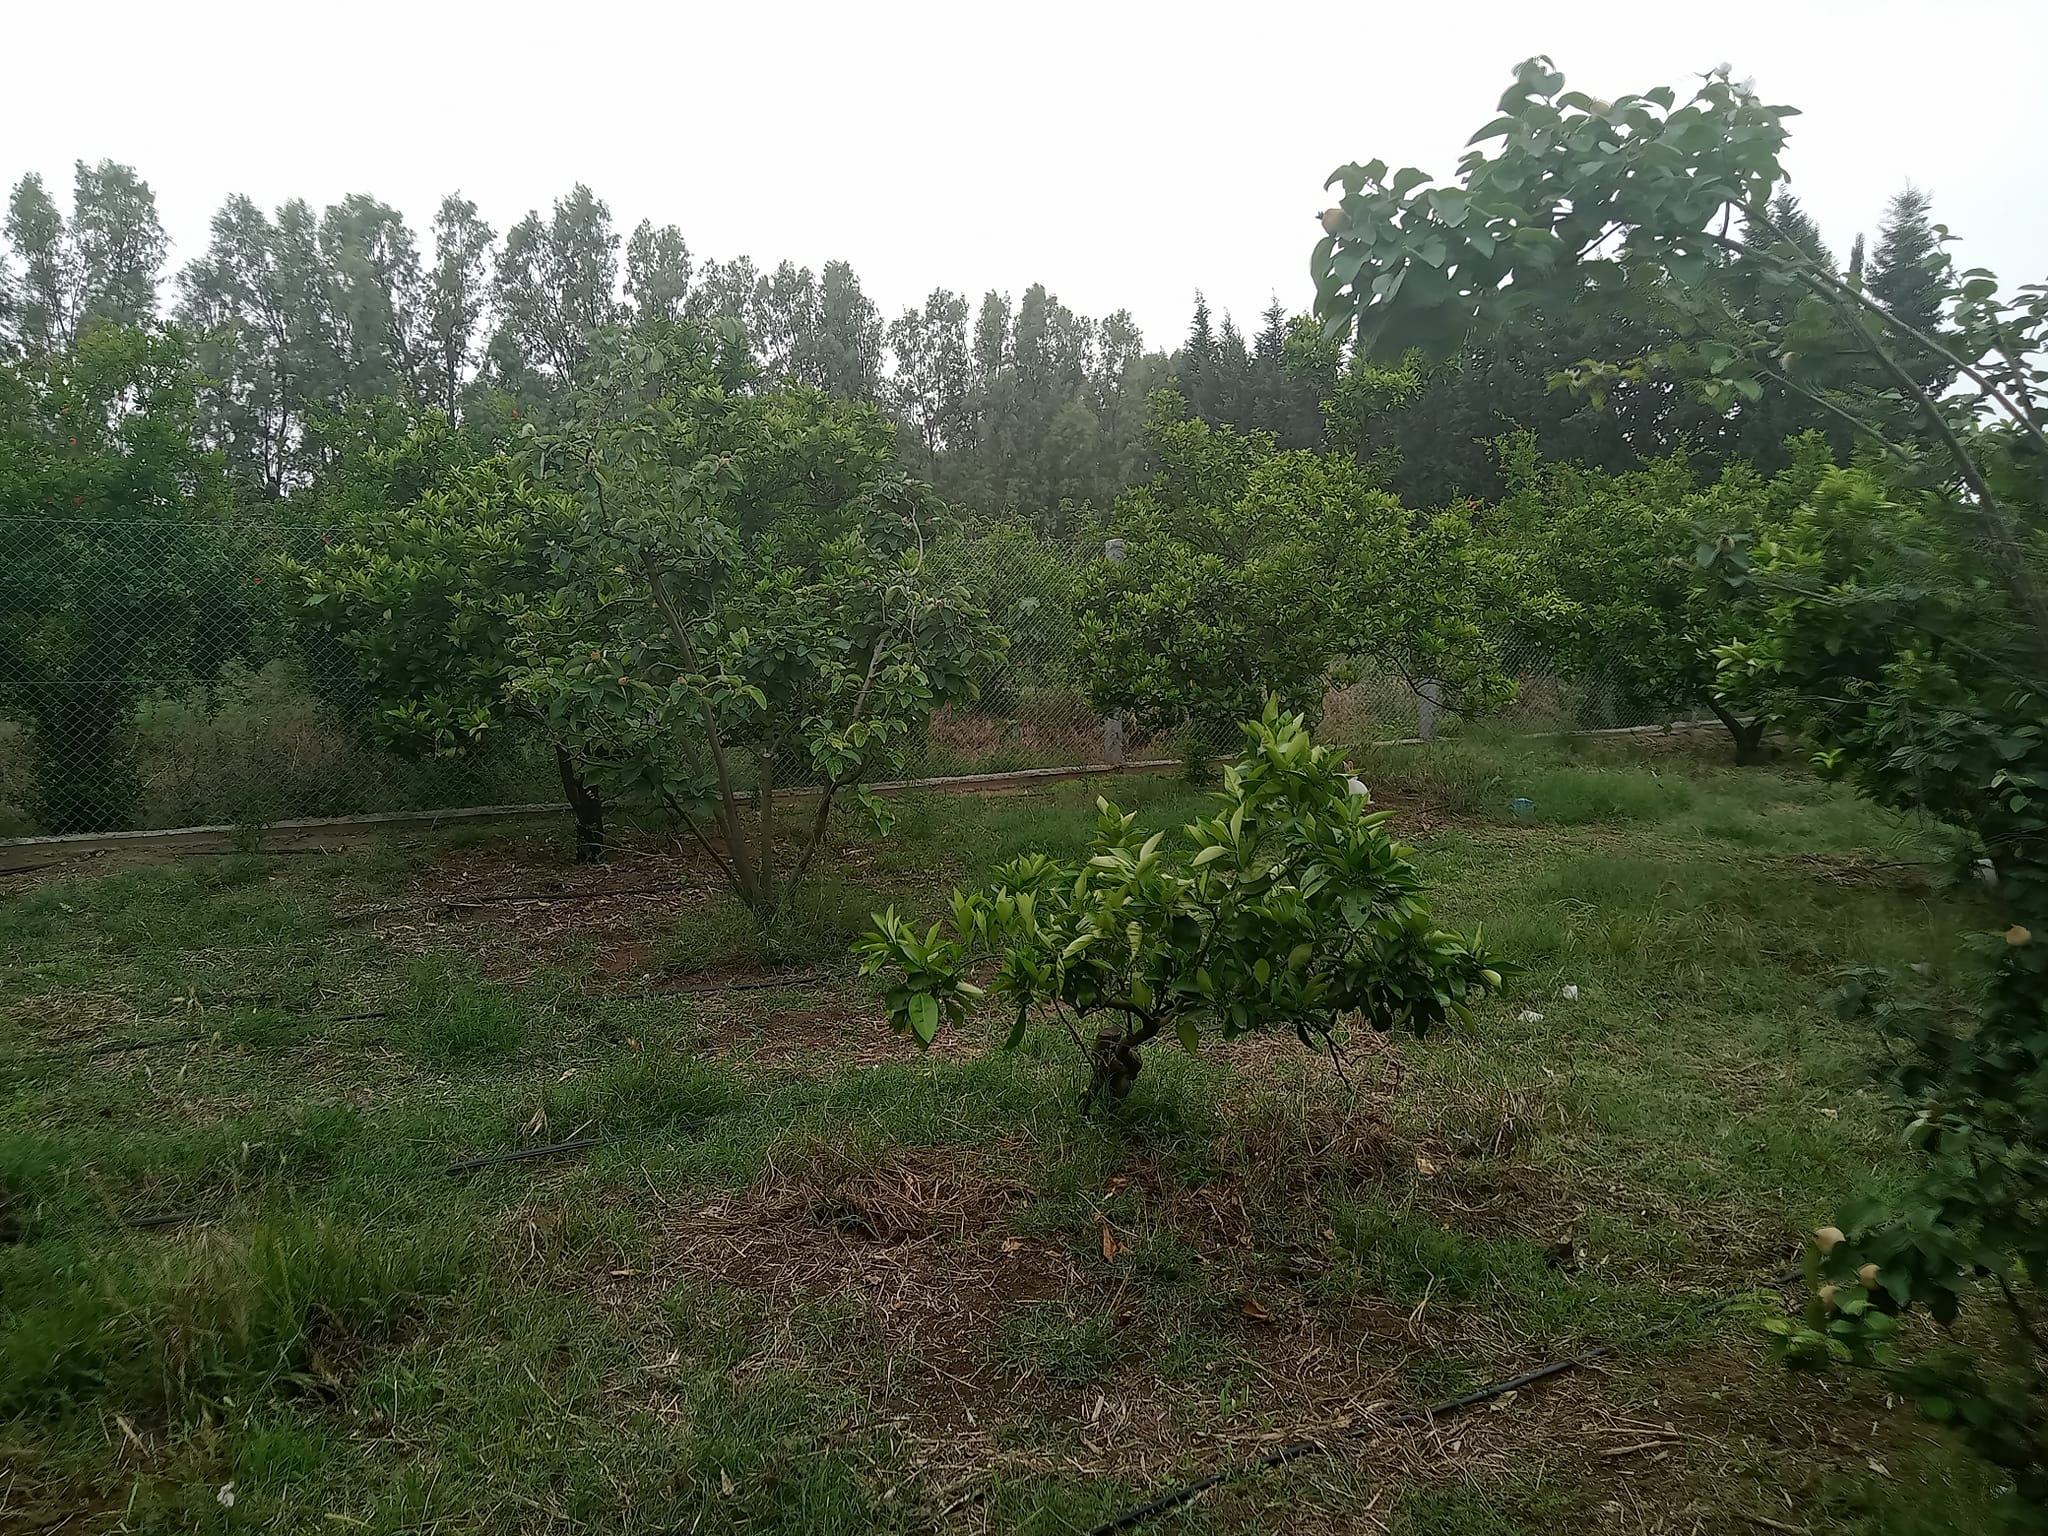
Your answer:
<point x="1124" y="154"/>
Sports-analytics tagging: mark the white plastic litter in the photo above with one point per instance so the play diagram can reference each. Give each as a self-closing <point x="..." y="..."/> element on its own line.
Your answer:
<point x="1529" y="1016"/>
<point x="1570" y="993"/>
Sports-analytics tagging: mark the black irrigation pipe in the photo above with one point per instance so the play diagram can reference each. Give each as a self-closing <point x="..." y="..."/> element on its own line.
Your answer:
<point x="1295" y="1450"/>
<point x="166" y="1219"/>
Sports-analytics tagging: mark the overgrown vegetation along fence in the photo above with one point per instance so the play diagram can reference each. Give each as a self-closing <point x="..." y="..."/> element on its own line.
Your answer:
<point x="193" y="694"/>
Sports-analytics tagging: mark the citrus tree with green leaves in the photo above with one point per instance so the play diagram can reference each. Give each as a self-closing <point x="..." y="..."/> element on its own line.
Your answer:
<point x="431" y="543"/>
<point x="1899" y="618"/>
<point x="744" y="602"/>
<point x="1623" y="565"/>
<point x="1289" y="908"/>
<point x="1247" y="571"/>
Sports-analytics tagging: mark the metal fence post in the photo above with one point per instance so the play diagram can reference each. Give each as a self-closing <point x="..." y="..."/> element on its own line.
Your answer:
<point x="1113" y="722"/>
<point x="1428" y="696"/>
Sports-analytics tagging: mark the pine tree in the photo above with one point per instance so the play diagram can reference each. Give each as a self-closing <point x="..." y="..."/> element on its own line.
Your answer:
<point x="1795" y="228"/>
<point x="1282" y="404"/>
<point x="1231" y="395"/>
<point x="1195" y="365"/>
<point x="1907" y="270"/>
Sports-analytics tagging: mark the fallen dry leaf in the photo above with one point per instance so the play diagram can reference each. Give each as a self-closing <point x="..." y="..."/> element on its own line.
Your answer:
<point x="1111" y="1244"/>
<point x="1254" y="1311"/>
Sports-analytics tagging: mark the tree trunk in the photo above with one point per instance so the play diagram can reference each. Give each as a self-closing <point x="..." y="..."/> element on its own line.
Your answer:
<point x="585" y="806"/>
<point x="1748" y="735"/>
<point x="1114" y="1062"/>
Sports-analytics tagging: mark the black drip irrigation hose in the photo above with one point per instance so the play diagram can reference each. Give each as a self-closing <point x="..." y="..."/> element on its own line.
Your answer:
<point x="1130" y="1519"/>
<point x="528" y="1154"/>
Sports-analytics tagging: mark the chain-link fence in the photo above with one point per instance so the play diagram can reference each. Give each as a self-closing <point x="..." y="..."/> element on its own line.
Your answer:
<point x="160" y="674"/>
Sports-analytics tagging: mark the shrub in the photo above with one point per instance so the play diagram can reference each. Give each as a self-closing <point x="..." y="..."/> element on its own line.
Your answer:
<point x="1290" y="907"/>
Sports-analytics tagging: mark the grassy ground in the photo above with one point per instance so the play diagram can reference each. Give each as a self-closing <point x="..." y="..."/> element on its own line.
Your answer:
<point x="807" y="1279"/>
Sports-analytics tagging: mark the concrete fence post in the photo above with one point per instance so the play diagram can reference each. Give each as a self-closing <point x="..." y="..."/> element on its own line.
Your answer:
<point x="1428" y="699"/>
<point x="1113" y="722"/>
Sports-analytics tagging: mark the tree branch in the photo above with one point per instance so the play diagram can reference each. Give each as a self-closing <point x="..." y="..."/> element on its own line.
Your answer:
<point x="2018" y="581"/>
<point x="1905" y="328"/>
<point x="690" y="821"/>
<point x="745" y="881"/>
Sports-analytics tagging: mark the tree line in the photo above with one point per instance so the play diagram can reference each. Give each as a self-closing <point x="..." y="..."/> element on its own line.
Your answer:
<point x="1019" y="405"/>
<point x="1017" y="408"/>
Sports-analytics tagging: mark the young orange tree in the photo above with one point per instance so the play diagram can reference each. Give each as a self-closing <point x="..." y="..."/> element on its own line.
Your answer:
<point x="1290" y="907"/>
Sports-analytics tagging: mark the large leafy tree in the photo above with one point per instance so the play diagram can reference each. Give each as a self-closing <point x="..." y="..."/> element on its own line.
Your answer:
<point x="928" y="389"/>
<point x="842" y="354"/>
<point x="1617" y="564"/>
<point x="746" y="600"/>
<point x="457" y="299"/>
<point x="556" y="286"/>
<point x="379" y="298"/>
<point x="1903" y="619"/>
<point x="100" y="264"/>
<point x="657" y="272"/>
<point x="262" y="303"/>
<point x="1055" y="412"/>
<point x="112" y="563"/>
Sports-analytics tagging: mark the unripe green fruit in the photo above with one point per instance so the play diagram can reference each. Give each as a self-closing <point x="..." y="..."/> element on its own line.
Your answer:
<point x="1333" y="220"/>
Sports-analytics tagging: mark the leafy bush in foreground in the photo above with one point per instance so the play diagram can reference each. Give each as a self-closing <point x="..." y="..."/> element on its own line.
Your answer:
<point x="1289" y="907"/>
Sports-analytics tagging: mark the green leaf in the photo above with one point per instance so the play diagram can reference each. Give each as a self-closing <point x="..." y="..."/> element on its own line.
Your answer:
<point x="1190" y="1037"/>
<point x="924" y="1016"/>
